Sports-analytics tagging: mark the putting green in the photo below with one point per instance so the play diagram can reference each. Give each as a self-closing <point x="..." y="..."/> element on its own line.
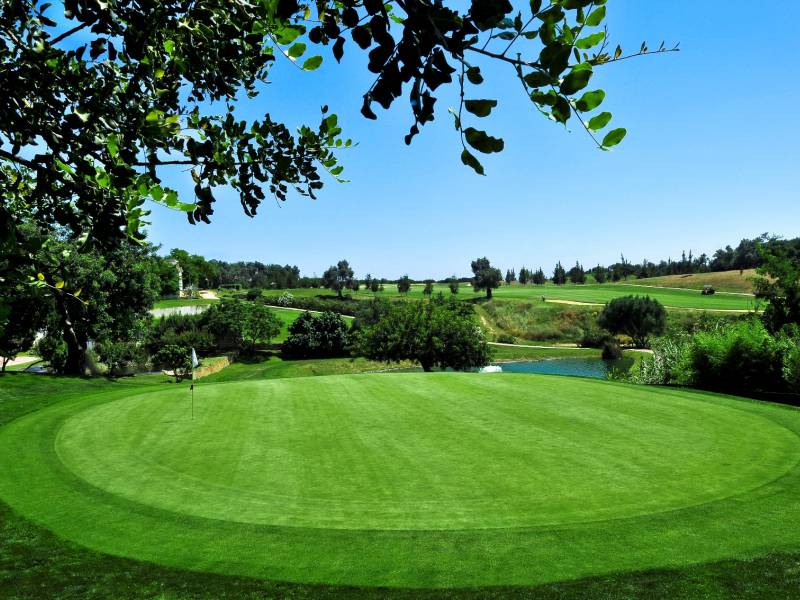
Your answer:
<point x="410" y="479"/>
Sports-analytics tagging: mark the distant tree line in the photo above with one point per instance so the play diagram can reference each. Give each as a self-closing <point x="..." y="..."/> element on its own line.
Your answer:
<point x="745" y="255"/>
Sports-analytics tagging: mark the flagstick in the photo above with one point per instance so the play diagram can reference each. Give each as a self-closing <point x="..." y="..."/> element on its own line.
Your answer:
<point x="191" y="387"/>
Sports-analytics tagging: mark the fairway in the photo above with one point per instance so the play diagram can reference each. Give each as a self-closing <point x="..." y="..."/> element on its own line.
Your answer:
<point x="673" y="298"/>
<point x="410" y="479"/>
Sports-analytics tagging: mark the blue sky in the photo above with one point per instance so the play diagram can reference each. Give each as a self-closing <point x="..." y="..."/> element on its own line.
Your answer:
<point x="710" y="158"/>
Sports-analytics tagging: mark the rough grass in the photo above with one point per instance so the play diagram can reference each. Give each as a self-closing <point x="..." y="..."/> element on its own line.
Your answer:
<point x="723" y="281"/>
<point x="35" y="563"/>
<point x="538" y="322"/>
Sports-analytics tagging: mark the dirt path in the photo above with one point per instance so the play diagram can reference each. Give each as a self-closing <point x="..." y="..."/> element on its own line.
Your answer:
<point x="21" y="360"/>
<point x="208" y="295"/>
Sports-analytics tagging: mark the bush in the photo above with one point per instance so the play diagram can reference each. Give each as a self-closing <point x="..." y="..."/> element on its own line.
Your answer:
<point x="285" y="299"/>
<point x="505" y="338"/>
<point x="316" y="336"/>
<point x="611" y="349"/>
<point x="119" y="356"/>
<point x="242" y="325"/>
<point x="669" y="364"/>
<point x="638" y="317"/>
<point x="54" y="351"/>
<point x="177" y="359"/>
<point x="181" y="330"/>
<point x="740" y="358"/>
<point x="253" y="294"/>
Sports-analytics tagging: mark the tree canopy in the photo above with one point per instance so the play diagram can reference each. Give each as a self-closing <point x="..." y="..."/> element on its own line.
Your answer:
<point x="338" y="277"/>
<point x="635" y="316"/>
<point x="485" y="276"/>
<point x="102" y="98"/>
<point x="440" y="333"/>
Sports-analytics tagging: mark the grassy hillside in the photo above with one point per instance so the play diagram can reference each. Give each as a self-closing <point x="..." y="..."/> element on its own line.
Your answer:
<point x="724" y="281"/>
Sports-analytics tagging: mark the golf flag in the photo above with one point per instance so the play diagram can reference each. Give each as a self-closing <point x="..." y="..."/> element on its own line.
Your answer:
<point x="195" y="362"/>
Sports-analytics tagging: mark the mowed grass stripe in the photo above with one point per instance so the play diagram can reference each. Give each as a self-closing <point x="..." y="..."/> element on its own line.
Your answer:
<point x="765" y="518"/>
<point x="562" y="462"/>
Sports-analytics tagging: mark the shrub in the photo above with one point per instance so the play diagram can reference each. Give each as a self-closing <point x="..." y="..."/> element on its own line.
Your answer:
<point x="635" y="316"/>
<point x="791" y="368"/>
<point x="316" y="336"/>
<point x="505" y="338"/>
<point x="242" y="324"/>
<point x="740" y="358"/>
<point x="181" y="330"/>
<point x="669" y="364"/>
<point x="54" y="351"/>
<point x="253" y="294"/>
<point x="119" y="355"/>
<point x="285" y="299"/>
<point x="177" y="359"/>
<point x="611" y="349"/>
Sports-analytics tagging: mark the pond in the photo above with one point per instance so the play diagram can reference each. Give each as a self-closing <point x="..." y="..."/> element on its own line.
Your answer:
<point x="595" y="368"/>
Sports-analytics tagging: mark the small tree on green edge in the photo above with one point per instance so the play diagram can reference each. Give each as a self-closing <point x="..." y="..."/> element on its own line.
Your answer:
<point x="635" y="316"/>
<point x="177" y="359"/>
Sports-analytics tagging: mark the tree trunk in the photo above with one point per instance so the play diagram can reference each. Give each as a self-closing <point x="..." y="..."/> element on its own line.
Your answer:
<point x="488" y="293"/>
<point x="76" y="352"/>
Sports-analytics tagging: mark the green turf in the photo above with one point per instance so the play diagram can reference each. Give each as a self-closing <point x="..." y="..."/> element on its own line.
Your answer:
<point x="589" y="293"/>
<point x="411" y="479"/>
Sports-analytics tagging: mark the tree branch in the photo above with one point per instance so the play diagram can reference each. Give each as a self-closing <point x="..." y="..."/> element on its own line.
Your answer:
<point x="516" y="62"/>
<point x="66" y="34"/>
<point x="17" y="159"/>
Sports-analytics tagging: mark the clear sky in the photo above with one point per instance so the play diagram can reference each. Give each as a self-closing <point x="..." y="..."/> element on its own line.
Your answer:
<point x="710" y="158"/>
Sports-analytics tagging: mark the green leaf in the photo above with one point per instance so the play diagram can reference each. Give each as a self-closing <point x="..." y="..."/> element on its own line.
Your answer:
<point x="561" y="110"/>
<point x="474" y="75"/>
<point x="598" y="122"/>
<point x="590" y="40"/>
<point x="153" y="116"/>
<point x="102" y="179"/>
<point x="480" y="108"/>
<point x="537" y="79"/>
<point x="296" y="50"/>
<point x="590" y="100"/>
<point x="596" y="17"/>
<point x="169" y="47"/>
<point x="112" y="144"/>
<point x="468" y="159"/>
<point x="614" y="137"/>
<point x="576" y="81"/>
<point x="312" y="63"/>
<point x="288" y="33"/>
<point x="483" y="142"/>
<point x="64" y="167"/>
